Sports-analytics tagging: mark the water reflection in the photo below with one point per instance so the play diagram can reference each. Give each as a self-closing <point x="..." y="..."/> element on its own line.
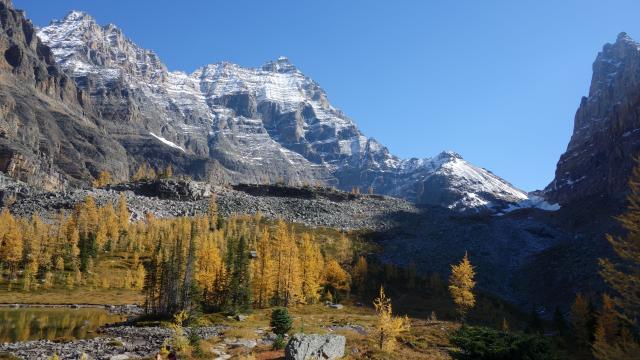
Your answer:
<point x="24" y="324"/>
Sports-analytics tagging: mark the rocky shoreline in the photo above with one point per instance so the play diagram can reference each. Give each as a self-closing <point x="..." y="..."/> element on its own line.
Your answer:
<point x="125" y="310"/>
<point x="114" y="343"/>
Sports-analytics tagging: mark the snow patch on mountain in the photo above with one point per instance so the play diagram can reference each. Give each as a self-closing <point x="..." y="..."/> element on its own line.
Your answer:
<point x="167" y="142"/>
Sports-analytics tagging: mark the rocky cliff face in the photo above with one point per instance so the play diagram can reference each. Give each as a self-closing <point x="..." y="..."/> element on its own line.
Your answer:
<point x="45" y="137"/>
<point x="255" y="125"/>
<point x="606" y="135"/>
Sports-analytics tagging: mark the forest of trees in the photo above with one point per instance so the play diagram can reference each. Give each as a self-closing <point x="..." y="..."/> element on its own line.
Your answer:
<point x="230" y="264"/>
<point x="234" y="264"/>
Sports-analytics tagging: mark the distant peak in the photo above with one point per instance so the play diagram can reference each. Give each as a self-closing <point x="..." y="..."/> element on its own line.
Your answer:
<point x="76" y="15"/>
<point x="448" y="155"/>
<point x="623" y="36"/>
<point x="281" y="65"/>
<point x="8" y="3"/>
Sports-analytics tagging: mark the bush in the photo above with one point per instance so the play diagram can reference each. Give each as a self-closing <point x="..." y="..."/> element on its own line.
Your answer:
<point x="278" y="343"/>
<point x="480" y="343"/>
<point x="280" y="321"/>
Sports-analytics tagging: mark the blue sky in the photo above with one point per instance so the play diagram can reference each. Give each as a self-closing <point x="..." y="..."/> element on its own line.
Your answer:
<point x="497" y="81"/>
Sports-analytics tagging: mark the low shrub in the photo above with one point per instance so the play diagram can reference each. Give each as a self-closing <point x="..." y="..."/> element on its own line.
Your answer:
<point x="481" y="343"/>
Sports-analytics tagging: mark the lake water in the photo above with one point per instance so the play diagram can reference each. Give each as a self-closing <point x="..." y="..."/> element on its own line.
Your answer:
<point x="22" y="324"/>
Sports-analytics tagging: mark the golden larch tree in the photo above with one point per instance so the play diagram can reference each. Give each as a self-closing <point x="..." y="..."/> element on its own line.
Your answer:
<point x="461" y="284"/>
<point x="123" y="213"/>
<point x="11" y="243"/>
<point x="336" y="279"/>
<point x="103" y="179"/>
<point x="312" y="264"/>
<point x="360" y="273"/>
<point x="387" y="327"/>
<point x="262" y="269"/>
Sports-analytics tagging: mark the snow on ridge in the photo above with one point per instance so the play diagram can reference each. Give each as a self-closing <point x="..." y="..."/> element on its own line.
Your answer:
<point x="532" y="202"/>
<point x="277" y="82"/>
<point x="167" y="142"/>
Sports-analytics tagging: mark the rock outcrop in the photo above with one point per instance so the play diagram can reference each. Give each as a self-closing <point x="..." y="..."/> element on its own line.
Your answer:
<point x="606" y="135"/>
<point x="46" y="139"/>
<point x="171" y="189"/>
<point x="303" y="347"/>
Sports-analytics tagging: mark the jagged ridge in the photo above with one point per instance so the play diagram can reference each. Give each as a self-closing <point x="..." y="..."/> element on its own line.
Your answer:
<point x="261" y="125"/>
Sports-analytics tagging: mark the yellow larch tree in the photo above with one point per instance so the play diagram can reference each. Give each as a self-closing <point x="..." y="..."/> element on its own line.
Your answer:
<point x="103" y="179"/>
<point x="360" y="273"/>
<point x="262" y="270"/>
<point x="387" y="327"/>
<point x="343" y="248"/>
<point x="208" y="263"/>
<point x="461" y="284"/>
<point x="212" y="212"/>
<point x="11" y="243"/>
<point x="336" y="279"/>
<point x="123" y="213"/>
<point x="280" y="242"/>
<point x="110" y="219"/>
<point x="623" y="274"/>
<point x="292" y="272"/>
<point x="312" y="264"/>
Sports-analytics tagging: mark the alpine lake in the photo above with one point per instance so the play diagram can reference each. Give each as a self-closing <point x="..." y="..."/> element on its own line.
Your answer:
<point x="52" y="323"/>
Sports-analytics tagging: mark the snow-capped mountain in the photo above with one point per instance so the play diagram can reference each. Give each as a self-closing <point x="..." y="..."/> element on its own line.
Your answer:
<point x="263" y="124"/>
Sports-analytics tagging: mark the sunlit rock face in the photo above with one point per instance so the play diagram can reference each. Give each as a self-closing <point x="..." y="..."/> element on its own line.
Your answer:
<point x="255" y="125"/>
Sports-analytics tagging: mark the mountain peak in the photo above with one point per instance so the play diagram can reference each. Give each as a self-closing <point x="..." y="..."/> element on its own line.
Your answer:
<point x="281" y="65"/>
<point x="624" y="37"/>
<point x="448" y="155"/>
<point x="76" y="16"/>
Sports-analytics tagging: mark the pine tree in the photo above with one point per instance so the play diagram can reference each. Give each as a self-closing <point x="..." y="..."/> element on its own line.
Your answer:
<point x="461" y="284"/>
<point x="239" y="284"/>
<point x="387" y="327"/>
<point x="280" y="321"/>
<point x="559" y="323"/>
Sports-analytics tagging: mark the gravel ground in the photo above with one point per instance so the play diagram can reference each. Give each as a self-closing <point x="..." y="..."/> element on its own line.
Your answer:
<point x="348" y="213"/>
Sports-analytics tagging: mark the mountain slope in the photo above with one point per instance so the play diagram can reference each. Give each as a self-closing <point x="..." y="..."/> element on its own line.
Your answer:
<point x="46" y="138"/>
<point x="261" y="125"/>
<point x="606" y="135"/>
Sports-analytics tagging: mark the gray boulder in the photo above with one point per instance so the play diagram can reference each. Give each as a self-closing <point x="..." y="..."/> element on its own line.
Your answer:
<point x="314" y="346"/>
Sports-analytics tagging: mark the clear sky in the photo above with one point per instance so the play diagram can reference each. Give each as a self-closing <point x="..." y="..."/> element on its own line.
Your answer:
<point x="497" y="81"/>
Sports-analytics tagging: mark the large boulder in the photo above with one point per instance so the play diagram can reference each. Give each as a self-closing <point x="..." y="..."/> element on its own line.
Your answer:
<point x="314" y="346"/>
